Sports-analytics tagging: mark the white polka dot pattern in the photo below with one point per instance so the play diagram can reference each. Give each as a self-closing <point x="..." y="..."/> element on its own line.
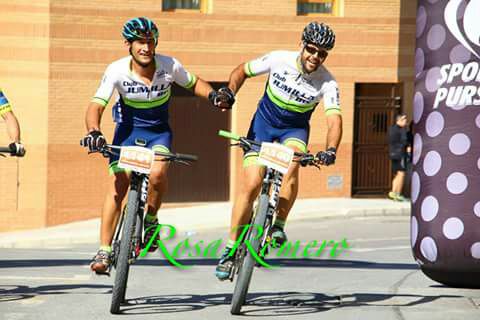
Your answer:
<point x="417" y="107"/>
<point x="457" y="183"/>
<point x="459" y="144"/>
<point x="475" y="250"/>
<point x="432" y="163"/>
<point x="435" y="124"/>
<point x="453" y="228"/>
<point x="428" y="248"/>
<point x="436" y="37"/>
<point x="413" y="231"/>
<point x="415" y="186"/>
<point x="429" y="209"/>
<point x="433" y="75"/>
<point x="417" y="148"/>
<point x="476" y="209"/>
<point x="445" y="183"/>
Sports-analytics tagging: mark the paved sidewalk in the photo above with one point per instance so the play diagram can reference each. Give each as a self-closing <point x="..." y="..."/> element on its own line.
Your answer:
<point x="207" y="216"/>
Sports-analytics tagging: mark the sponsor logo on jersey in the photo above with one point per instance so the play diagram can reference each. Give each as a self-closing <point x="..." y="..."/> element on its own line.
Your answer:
<point x="280" y="83"/>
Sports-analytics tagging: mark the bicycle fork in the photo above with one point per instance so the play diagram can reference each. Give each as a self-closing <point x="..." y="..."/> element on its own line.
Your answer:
<point x="138" y="182"/>
<point x="273" y="181"/>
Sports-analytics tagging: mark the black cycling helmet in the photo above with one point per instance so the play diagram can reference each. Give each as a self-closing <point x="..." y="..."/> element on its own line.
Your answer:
<point x="140" y="28"/>
<point x="319" y="34"/>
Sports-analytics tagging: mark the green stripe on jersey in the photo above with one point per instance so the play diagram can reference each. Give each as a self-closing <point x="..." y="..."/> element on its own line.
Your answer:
<point x="289" y="105"/>
<point x="100" y="101"/>
<point x="333" y="110"/>
<point x="147" y="104"/>
<point x="248" y="71"/>
<point x="191" y="82"/>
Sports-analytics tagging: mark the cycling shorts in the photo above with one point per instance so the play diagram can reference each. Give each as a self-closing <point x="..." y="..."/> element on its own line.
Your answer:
<point x="262" y="131"/>
<point x="158" y="138"/>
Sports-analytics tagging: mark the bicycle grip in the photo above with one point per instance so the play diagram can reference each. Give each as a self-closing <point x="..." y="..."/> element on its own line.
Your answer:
<point x="188" y="157"/>
<point x="228" y="135"/>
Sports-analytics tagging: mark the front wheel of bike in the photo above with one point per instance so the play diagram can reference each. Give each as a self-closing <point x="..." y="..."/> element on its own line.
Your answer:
<point x="246" y="269"/>
<point x="125" y="252"/>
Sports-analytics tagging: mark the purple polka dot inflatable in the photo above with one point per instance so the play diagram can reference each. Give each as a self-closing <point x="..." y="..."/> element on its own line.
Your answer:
<point x="445" y="222"/>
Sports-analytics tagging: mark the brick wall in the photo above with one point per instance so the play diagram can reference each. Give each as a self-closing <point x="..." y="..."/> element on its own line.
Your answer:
<point x="24" y="43"/>
<point x="60" y="48"/>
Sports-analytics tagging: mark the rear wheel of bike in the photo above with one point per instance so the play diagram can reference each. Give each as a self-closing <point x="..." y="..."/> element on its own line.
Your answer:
<point x="246" y="269"/>
<point x="122" y="267"/>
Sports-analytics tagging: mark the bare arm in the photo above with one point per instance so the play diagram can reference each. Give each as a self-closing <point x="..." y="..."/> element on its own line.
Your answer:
<point x="202" y="88"/>
<point x="237" y="78"/>
<point x="13" y="128"/>
<point x="334" y="134"/>
<point x="94" y="116"/>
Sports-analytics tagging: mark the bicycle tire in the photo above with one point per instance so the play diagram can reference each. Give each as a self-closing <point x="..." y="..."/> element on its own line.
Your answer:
<point x="123" y="266"/>
<point x="245" y="274"/>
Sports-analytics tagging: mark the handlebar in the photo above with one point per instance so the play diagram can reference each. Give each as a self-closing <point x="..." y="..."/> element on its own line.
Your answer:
<point x="9" y="151"/>
<point x="110" y="149"/>
<point x="246" y="145"/>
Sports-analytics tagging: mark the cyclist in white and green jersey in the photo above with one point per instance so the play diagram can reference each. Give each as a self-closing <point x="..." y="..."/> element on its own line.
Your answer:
<point x="297" y="82"/>
<point x="143" y="81"/>
<point x="13" y="128"/>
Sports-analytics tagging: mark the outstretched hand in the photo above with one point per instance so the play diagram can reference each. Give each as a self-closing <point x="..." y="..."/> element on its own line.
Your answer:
<point x="223" y="98"/>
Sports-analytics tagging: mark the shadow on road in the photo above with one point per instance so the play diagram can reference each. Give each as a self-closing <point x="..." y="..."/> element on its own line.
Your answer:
<point x="280" y="262"/>
<point x="16" y="292"/>
<point x="276" y="304"/>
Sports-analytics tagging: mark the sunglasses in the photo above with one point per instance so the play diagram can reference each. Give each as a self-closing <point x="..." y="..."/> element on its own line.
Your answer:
<point x="322" y="54"/>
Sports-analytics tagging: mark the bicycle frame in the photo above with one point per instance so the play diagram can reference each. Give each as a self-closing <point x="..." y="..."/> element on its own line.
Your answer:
<point x="271" y="184"/>
<point x="128" y="237"/>
<point x="138" y="181"/>
<point x="253" y="245"/>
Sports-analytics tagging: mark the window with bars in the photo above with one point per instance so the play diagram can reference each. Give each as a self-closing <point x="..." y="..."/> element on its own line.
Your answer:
<point x="170" y="5"/>
<point x="317" y="7"/>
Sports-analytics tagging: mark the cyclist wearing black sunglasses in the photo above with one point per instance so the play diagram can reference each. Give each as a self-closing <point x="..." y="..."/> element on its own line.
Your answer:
<point x="297" y="82"/>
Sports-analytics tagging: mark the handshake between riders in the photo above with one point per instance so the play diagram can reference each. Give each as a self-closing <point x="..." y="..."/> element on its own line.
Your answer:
<point x="282" y="115"/>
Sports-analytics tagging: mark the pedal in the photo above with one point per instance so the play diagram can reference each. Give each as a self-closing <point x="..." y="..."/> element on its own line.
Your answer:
<point x="106" y="273"/>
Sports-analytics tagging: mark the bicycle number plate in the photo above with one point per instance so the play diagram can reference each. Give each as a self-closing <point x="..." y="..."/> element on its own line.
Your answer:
<point x="137" y="159"/>
<point x="276" y="156"/>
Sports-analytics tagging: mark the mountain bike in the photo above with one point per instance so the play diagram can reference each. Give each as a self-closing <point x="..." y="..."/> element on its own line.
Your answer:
<point x="256" y="239"/>
<point x="128" y="239"/>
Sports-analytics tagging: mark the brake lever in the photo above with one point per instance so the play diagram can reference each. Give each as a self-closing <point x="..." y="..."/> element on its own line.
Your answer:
<point x="183" y="162"/>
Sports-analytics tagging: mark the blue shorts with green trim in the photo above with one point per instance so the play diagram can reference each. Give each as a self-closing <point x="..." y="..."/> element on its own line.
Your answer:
<point x="261" y="131"/>
<point x="158" y="138"/>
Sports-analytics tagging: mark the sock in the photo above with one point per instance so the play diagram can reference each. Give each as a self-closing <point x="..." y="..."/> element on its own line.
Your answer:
<point x="150" y="218"/>
<point x="279" y="223"/>
<point x="106" y="248"/>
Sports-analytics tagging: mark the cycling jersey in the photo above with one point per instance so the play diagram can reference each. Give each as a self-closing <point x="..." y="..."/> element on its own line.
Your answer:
<point x="4" y="105"/>
<point x="291" y="95"/>
<point x="140" y="105"/>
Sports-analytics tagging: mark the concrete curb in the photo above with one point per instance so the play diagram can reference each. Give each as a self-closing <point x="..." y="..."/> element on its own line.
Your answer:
<point x="209" y="216"/>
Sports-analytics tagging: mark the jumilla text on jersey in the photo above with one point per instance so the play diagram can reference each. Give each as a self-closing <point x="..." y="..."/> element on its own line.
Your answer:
<point x="464" y="95"/>
<point x="298" y="96"/>
<point x="311" y="249"/>
<point x="135" y="87"/>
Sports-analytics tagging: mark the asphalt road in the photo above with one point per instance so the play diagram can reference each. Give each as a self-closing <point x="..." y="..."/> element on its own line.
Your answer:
<point x="375" y="278"/>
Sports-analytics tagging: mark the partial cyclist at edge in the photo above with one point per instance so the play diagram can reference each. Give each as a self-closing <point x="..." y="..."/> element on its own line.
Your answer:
<point x="143" y="81"/>
<point x="13" y="127"/>
<point x="297" y="82"/>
